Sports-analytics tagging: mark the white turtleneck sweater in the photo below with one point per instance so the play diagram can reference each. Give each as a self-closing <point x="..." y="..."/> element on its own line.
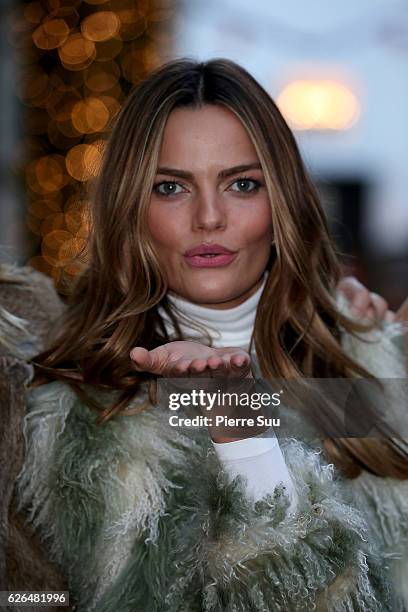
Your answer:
<point x="259" y="459"/>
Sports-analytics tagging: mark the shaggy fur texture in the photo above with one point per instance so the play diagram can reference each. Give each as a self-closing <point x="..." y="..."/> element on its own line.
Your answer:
<point x="385" y="500"/>
<point x="141" y="517"/>
<point x="28" y="305"/>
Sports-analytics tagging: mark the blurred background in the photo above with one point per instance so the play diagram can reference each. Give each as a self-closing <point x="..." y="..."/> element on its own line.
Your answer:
<point x="338" y="71"/>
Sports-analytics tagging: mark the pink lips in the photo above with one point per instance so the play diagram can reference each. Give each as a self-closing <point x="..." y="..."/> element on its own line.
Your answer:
<point x="209" y="256"/>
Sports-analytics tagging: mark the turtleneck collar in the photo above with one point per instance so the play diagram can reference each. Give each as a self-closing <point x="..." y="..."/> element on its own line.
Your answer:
<point x="227" y="327"/>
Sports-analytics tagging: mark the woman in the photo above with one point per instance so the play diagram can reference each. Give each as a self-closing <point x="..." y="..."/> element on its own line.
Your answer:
<point x="207" y="233"/>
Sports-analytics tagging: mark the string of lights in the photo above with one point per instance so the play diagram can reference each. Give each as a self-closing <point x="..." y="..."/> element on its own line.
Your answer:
<point x="77" y="62"/>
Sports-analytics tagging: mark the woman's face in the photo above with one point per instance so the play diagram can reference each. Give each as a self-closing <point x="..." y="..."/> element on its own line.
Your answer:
<point x="209" y="192"/>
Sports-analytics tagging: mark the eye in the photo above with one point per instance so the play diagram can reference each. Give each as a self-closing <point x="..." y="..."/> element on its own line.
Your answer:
<point x="167" y="188"/>
<point x="246" y="185"/>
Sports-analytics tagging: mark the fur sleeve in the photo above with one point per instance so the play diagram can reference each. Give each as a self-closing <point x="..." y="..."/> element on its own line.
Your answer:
<point x="14" y="374"/>
<point x="381" y="350"/>
<point x="29" y="305"/>
<point x="384" y="501"/>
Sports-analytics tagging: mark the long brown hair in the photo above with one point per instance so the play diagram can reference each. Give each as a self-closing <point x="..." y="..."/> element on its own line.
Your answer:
<point x="114" y="305"/>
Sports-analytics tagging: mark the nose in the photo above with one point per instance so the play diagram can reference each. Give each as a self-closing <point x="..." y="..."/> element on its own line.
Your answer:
<point x="209" y="212"/>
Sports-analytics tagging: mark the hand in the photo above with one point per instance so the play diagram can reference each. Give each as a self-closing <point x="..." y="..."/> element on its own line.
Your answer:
<point x="364" y="303"/>
<point x="192" y="359"/>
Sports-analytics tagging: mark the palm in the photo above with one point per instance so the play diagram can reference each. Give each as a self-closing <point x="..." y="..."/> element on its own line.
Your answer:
<point x="185" y="359"/>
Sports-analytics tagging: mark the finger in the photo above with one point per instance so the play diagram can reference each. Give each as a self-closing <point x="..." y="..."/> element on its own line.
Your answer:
<point x="153" y="361"/>
<point x="241" y="367"/>
<point x="179" y="369"/>
<point x="197" y="367"/>
<point x="379" y="304"/>
<point x="217" y="366"/>
<point x="214" y="362"/>
<point x="159" y="360"/>
<point x="239" y="360"/>
<point x="225" y="370"/>
<point x="141" y="358"/>
<point x="360" y="303"/>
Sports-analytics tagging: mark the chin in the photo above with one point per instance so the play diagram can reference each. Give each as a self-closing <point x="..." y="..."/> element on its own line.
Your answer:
<point x="210" y="286"/>
<point x="211" y="293"/>
<point x="207" y="299"/>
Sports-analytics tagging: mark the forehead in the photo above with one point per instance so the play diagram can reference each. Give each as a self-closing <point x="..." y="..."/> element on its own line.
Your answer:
<point x="208" y="133"/>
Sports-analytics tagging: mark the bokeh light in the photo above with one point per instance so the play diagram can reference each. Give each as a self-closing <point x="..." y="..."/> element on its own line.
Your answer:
<point x="100" y="26"/>
<point x="47" y="174"/>
<point x="318" y="105"/>
<point x="78" y="61"/>
<point x="34" y="13"/>
<point x="90" y="115"/>
<point x="77" y="52"/>
<point x="101" y="77"/>
<point x="51" y="34"/>
<point x="83" y="162"/>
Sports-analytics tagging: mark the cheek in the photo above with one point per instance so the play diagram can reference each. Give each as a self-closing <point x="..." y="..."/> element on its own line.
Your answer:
<point x="162" y="228"/>
<point x="257" y="227"/>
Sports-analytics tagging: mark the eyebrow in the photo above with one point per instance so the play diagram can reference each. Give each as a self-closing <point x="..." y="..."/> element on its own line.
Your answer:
<point x="222" y="174"/>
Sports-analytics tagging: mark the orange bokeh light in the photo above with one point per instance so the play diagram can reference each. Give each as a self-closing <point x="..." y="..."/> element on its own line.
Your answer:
<point x="33" y="12"/>
<point x="52" y="243"/>
<point x="132" y="24"/>
<point x="55" y="221"/>
<point x="71" y="255"/>
<point x="83" y="162"/>
<point x="76" y="51"/>
<point x="112" y="104"/>
<point x="77" y="223"/>
<point x="51" y="34"/>
<point x="100" y="26"/>
<point x="90" y="115"/>
<point x="101" y="77"/>
<point x="47" y="174"/>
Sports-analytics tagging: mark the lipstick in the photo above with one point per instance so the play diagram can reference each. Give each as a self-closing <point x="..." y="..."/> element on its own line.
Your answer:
<point x="209" y="256"/>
